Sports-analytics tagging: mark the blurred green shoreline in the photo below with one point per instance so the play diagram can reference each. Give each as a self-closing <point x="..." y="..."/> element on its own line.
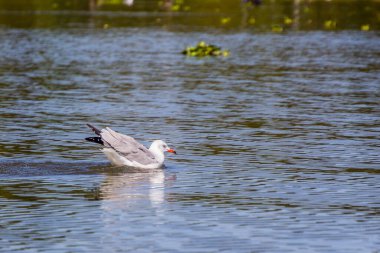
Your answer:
<point x="270" y="15"/>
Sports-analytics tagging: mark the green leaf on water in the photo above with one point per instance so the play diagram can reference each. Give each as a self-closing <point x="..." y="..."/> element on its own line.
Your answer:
<point x="203" y="49"/>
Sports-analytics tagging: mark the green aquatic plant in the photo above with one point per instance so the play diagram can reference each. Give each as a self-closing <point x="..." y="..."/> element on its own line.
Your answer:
<point x="288" y="21"/>
<point x="203" y="49"/>
<point x="365" y="27"/>
<point x="252" y="21"/>
<point x="330" y="24"/>
<point x="225" y="21"/>
<point x="277" y="28"/>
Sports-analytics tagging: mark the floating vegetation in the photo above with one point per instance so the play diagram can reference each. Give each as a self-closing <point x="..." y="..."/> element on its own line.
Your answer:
<point x="365" y="28"/>
<point x="277" y="28"/>
<point x="288" y="21"/>
<point x="330" y="24"/>
<point x="225" y="21"/>
<point x="203" y="49"/>
<point x="252" y="21"/>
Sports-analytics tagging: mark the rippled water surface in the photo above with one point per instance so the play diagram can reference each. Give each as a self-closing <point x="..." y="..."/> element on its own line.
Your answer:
<point x="278" y="144"/>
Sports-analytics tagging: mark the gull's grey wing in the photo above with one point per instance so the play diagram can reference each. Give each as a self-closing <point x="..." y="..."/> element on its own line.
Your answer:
<point x="127" y="146"/>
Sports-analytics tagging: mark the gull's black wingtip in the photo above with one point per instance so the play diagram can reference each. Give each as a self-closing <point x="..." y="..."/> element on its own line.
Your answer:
<point x="95" y="139"/>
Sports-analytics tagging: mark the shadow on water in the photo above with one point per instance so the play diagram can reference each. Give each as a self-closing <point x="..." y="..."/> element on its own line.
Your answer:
<point x="27" y="181"/>
<point x="26" y="169"/>
<point x="30" y="168"/>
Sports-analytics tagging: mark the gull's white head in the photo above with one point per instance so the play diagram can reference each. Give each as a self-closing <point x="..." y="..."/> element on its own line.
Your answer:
<point x="162" y="146"/>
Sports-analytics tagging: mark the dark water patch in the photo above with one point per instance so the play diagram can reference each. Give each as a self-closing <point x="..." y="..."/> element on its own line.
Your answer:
<point x="29" y="168"/>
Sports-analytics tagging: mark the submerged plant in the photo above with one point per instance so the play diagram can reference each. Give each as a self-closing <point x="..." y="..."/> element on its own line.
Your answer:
<point x="203" y="49"/>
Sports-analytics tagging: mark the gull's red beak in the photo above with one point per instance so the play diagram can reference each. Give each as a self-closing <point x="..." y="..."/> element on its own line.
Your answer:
<point x="171" y="151"/>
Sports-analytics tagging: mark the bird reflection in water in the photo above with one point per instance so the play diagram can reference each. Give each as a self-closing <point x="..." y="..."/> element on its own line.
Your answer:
<point x="127" y="195"/>
<point x="128" y="187"/>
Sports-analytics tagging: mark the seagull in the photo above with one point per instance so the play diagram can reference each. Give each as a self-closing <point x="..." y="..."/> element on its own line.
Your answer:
<point x="124" y="150"/>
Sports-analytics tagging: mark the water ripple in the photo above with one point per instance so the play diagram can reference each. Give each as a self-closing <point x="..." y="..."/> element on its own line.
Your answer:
<point x="277" y="144"/>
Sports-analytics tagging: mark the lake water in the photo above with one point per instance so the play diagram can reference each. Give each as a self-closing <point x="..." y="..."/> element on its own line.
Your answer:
<point x="278" y="144"/>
